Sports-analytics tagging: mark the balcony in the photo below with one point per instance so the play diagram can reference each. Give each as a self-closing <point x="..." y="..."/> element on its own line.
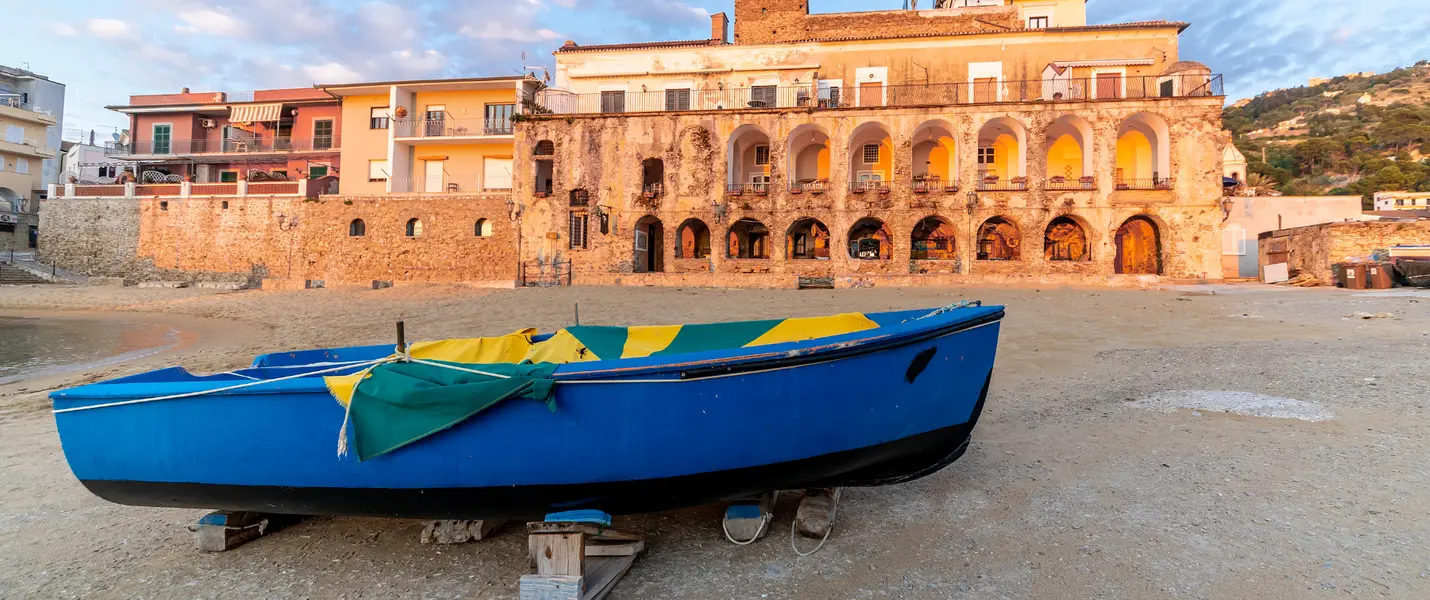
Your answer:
<point x="1155" y="183"/>
<point x="814" y="187"/>
<point x="27" y="147"/>
<point x="11" y="106"/>
<point x="747" y="189"/>
<point x="227" y="146"/>
<point x="451" y="128"/>
<point x="994" y="184"/>
<point x="451" y="183"/>
<point x="1064" y="184"/>
<point x="916" y="95"/>
<point x="933" y="183"/>
<point x="860" y="187"/>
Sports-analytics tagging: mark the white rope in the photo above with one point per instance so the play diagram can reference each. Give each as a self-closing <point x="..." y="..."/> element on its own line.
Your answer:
<point x="456" y="368"/>
<point x="765" y="519"/>
<point x="793" y="527"/>
<point x="239" y="375"/>
<point x="230" y="388"/>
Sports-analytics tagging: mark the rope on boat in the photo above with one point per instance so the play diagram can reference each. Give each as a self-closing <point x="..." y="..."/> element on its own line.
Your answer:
<point x="230" y="388"/>
<point x="950" y="308"/>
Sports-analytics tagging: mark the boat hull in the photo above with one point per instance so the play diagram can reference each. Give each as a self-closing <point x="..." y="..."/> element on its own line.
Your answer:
<point x="648" y="438"/>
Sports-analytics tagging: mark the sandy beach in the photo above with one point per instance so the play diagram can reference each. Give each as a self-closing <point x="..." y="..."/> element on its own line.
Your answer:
<point x="1101" y="467"/>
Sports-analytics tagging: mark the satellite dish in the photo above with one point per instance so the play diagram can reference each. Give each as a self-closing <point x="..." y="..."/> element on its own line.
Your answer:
<point x="115" y="135"/>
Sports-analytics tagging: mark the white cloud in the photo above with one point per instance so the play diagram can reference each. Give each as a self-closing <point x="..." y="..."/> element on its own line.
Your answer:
<point x="494" y="30"/>
<point x="430" y="61"/>
<point x="331" y="72"/>
<point x="108" y="29"/>
<point x="64" y="29"/>
<point x="210" y="22"/>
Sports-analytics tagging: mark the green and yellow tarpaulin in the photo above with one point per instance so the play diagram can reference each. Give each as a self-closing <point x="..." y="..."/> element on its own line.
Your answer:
<point x="397" y="403"/>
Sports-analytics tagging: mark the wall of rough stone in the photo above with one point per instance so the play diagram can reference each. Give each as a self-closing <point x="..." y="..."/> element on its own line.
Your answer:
<point x="1313" y="249"/>
<point x="773" y="21"/>
<point x="254" y="238"/>
<point x="603" y="155"/>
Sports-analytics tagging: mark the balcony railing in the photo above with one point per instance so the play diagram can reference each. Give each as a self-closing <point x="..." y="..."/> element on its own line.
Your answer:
<point x="451" y="127"/>
<point x="1155" y="183"/>
<point x="934" y="184"/>
<point x="859" y="187"/>
<point x="747" y="189"/>
<point x="222" y="146"/>
<point x="1064" y="184"/>
<point x="994" y="184"/>
<point x="451" y="183"/>
<point x="909" y="95"/>
<point x="817" y="186"/>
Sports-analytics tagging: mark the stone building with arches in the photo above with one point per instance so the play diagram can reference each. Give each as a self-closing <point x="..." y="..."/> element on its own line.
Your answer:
<point x="1042" y="150"/>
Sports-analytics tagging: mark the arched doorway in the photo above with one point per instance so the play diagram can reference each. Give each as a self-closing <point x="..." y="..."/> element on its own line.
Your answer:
<point x="649" y="246"/>
<point x="999" y="239"/>
<point x="932" y="239"/>
<point x="871" y="157"/>
<point x="1069" y="156"/>
<point x="807" y="239"/>
<point x="1065" y="240"/>
<point x="935" y="156"/>
<point x="1143" y="153"/>
<point x="1139" y="248"/>
<point x="748" y="160"/>
<point x="808" y="152"/>
<point x="692" y="239"/>
<point x="748" y="238"/>
<point x="1002" y="155"/>
<point x="869" y="240"/>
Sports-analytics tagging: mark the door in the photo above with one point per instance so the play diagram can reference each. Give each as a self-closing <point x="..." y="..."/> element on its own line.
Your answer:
<point x="436" y="120"/>
<point x="871" y="93"/>
<point x="433" y="177"/>
<point x="1109" y="85"/>
<point x="1138" y="248"/>
<point x="985" y="89"/>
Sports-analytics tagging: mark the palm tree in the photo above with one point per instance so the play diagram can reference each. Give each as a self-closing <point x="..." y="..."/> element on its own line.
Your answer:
<point x="1259" y="185"/>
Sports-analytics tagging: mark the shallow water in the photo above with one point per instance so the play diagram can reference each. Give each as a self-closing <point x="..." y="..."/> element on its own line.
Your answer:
<point x="30" y="346"/>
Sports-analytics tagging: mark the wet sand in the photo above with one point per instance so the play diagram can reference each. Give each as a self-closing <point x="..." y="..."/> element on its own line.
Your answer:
<point x="1068" y="490"/>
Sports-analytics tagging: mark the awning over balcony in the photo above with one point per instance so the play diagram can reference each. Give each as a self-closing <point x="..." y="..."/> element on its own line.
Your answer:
<point x="255" y="113"/>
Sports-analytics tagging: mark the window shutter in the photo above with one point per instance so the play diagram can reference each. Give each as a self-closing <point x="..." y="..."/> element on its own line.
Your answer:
<point x="677" y="99"/>
<point x="762" y="155"/>
<point x="377" y="170"/>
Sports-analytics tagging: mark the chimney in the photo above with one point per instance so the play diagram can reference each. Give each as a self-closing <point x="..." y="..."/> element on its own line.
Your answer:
<point x="91" y="137"/>
<point x="184" y="91"/>
<point x="720" y="27"/>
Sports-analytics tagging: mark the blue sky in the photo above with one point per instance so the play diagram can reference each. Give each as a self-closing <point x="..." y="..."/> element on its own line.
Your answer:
<point x="105" y="50"/>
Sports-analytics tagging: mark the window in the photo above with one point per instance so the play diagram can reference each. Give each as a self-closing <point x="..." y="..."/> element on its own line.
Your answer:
<point x="828" y="90"/>
<point x="377" y="170"/>
<point x="225" y="204"/>
<point x="483" y="228"/>
<point x="763" y="95"/>
<point x="316" y="171"/>
<point x="1169" y="88"/>
<point x="108" y="171"/>
<point x="414" y="228"/>
<point x="322" y="134"/>
<point x="580" y="198"/>
<point x="578" y="224"/>
<point x="357" y="228"/>
<point x="162" y="139"/>
<point x="14" y="134"/>
<point x="379" y="119"/>
<point x="613" y="102"/>
<point x="22" y="165"/>
<point x="871" y="154"/>
<point x="1037" y="22"/>
<point x="436" y="120"/>
<point x="677" y="99"/>
<point x="228" y="176"/>
<point x="865" y="176"/>
<point x="1400" y="202"/>
<point x="986" y="156"/>
<point x="762" y="155"/>
<point x="498" y="119"/>
<point x="7" y="228"/>
<point x="1233" y="241"/>
<point x="546" y="147"/>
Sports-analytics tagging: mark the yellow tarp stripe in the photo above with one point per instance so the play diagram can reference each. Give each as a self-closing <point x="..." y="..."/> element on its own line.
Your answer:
<point x="795" y="330"/>
<point x="646" y="340"/>
<point x="562" y="347"/>
<point x="509" y="348"/>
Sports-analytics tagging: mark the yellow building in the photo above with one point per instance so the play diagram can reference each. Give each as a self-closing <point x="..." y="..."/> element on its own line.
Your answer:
<point x="23" y="149"/>
<point x="1401" y="201"/>
<point x="429" y="136"/>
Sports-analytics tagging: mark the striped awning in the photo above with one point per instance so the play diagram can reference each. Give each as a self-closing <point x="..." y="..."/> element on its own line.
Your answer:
<point x="255" y="113"/>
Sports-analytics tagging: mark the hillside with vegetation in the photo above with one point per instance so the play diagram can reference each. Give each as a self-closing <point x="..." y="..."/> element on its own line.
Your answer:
<point x="1351" y="135"/>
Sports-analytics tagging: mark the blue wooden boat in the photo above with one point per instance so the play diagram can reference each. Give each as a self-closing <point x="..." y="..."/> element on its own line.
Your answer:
<point x="883" y="405"/>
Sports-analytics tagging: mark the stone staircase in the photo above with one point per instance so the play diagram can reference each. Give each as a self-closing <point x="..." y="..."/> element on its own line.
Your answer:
<point x="13" y="275"/>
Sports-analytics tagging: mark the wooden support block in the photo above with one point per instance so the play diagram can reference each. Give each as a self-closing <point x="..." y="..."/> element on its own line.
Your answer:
<point x="577" y="561"/>
<point x="225" y="530"/>
<point x="458" y="532"/>
<point x="557" y="553"/>
<point x="550" y="587"/>
<point x="618" y="549"/>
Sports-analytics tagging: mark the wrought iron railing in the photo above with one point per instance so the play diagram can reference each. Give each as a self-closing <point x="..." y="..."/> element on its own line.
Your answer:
<point x="859" y="187"/>
<point x="817" y="186"/>
<point x="1188" y="85"/>
<point x="1016" y="184"/>
<point x="1064" y="184"/>
<point x="750" y="189"/>
<point x="1155" y="183"/>
<point x="451" y="127"/>
<point x="450" y="183"/>
<point x="222" y="146"/>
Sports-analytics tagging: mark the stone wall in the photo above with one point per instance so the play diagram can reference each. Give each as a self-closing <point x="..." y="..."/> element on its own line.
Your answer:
<point x="603" y="156"/>
<point x="775" y="21"/>
<point x="283" y="237"/>
<point x="1313" y="249"/>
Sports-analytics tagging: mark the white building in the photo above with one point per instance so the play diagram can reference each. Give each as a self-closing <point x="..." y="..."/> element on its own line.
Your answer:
<point x="86" y="163"/>
<point x="1401" y="200"/>
<point x="37" y="93"/>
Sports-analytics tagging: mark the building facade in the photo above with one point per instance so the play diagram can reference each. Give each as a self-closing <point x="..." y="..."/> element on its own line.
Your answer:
<point x="1400" y="201"/>
<point x="448" y="136"/>
<point x="26" y="155"/>
<point x="225" y="137"/>
<point x="22" y="89"/>
<point x="1002" y="139"/>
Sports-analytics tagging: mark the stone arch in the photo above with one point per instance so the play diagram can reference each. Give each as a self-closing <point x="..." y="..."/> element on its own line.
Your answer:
<point x="871" y="155"/>
<point x="357" y="228"/>
<point x="648" y="245"/>
<point x="748" y="157"/>
<point x="869" y="239"/>
<point x="1002" y="150"/>
<point x="414" y="227"/>
<point x="483" y="228"/>
<point x="933" y="238"/>
<point x="1144" y="157"/>
<point x="1065" y="239"/>
<point x="999" y="238"/>
<point x="1139" y="247"/>
<point x="692" y="239"/>
<point x="544" y="148"/>
<point x="807" y="150"/>
<point x="747" y="238"/>
<point x="935" y="153"/>
<point x="806" y="239"/>
<point x="1069" y="150"/>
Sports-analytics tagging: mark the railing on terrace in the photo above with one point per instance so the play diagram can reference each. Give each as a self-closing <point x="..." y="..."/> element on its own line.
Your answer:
<point x="747" y="189"/>
<point x="905" y="95"/>
<point x="816" y="186"/>
<point x="934" y="184"/>
<point x="451" y="183"/>
<point x="310" y="188"/>
<point x="859" y="187"/>
<point x="653" y="190"/>
<point x="1155" y="183"/>
<point x="218" y="189"/>
<point x="1064" y="184"/>
<point x="1016" y="184"/>
<point x="224" y="146"/>
<point x="451" y="127"/>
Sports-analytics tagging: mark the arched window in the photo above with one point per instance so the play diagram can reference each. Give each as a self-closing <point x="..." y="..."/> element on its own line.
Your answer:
<point x="1143" y="153"/>
<point x="1139" y="248"/>
<point x="414" y="228"/>
<point x="932" y="239"/>
<point x="999" y="239"/>
<point x="1065" y="239"/>
<point x="807" y="239"/>
<point x="748" y="239"/>
<point x="544" y="148"/>
<point x="692" y="239"/>
<point x="1069" y="157"/>
<point x="357" y="228"/>
<point x="652" y="177"/>
<point x="1002" y="155"/>
<point x="935" y="156"/>
<point x="871" y="157"/>
<point x="748" y="161"/>
<point x="869" y="240"/>
<point x="808" y="152"/>
<point x="483" y="228"/>
<point x="580" y="198"/>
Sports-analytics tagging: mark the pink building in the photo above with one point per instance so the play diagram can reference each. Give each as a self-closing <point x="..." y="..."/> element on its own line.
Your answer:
<point x="214" y="137"/>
